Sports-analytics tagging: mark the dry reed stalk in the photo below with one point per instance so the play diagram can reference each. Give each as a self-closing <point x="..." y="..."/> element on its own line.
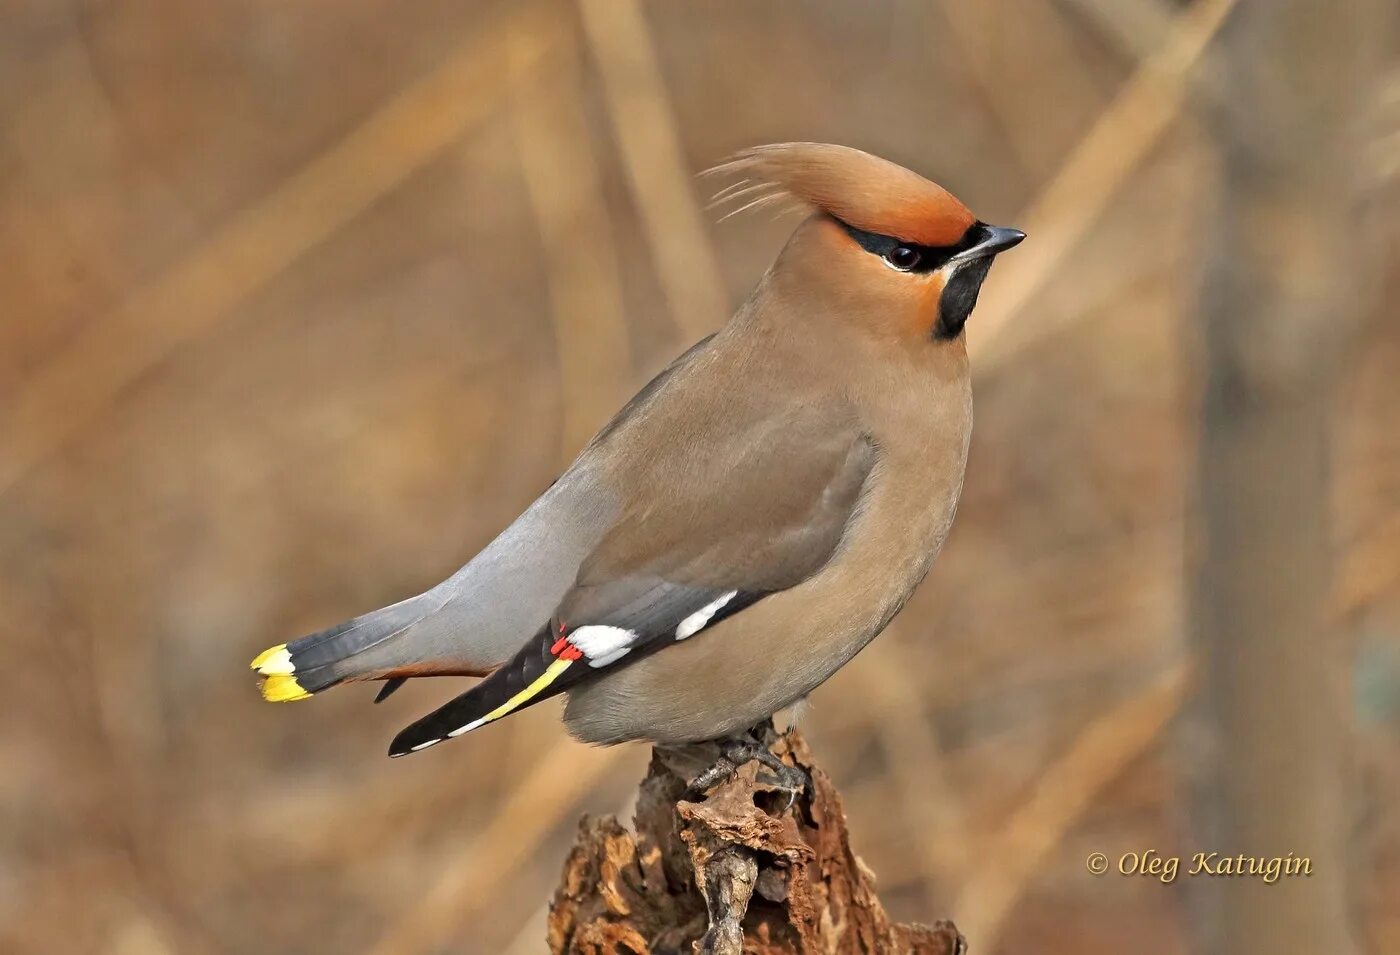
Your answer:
<point x="1368" y="571"/>
<point x="397" y="807"/>
<point x="1382" y="164"/>
<point x="144" y="882"/>
<point x="68" y="393"/>
<point x="647" y="134"/>
<point x="1064" y="209"/>
<point x="1042" y="37"/>
<point x="527" y="815"/>
<point x="1067" y="787"/>
<point x="580" y="258"/>
<point x="534" y="928"/>
<point x="899" y="719"/>
<point x="1134" y="26"/>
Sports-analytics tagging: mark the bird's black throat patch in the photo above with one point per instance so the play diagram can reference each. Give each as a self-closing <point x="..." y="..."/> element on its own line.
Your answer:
<point x="960" y="294"/>
<point x="958" y="298"/>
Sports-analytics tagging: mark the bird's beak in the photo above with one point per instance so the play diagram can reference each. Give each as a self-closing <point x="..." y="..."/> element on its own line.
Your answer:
<point x="989" y="240"/>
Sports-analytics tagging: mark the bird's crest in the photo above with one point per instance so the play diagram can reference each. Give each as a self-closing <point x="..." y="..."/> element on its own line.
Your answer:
<point x="865" y="191"/>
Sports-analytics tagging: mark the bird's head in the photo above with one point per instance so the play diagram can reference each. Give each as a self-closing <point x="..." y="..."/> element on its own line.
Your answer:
<point x="885" y="246"/>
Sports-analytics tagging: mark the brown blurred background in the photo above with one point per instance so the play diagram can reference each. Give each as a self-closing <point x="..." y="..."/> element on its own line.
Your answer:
<point x="301" y="303"/>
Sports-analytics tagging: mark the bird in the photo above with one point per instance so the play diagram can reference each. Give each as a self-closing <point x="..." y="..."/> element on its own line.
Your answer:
<point x="750" y="520"/>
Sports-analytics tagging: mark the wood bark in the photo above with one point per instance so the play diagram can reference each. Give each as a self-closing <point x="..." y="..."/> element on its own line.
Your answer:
<point x="736" y="871"/>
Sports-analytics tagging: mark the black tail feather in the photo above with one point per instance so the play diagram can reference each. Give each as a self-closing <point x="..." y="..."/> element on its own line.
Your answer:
<point x="348" y="650"/>
<point x="390" y="685"/>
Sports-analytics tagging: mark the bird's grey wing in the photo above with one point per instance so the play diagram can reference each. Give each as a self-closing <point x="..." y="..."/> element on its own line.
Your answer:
<point x="475" y="620"/>
<point x="681" y="558"/>
<point x="479" y="613"/>
<point x="470" y="623"/>
<point x="508" y="591"/>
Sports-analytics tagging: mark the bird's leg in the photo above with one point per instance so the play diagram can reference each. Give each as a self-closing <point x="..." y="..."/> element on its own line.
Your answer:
<point x="726" y="765"/>
<point x="788" y="779"/>
<point x="737" y="750"/>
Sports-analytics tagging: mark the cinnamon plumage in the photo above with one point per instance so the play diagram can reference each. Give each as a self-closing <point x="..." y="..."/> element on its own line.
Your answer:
<point x="750" y="520"/>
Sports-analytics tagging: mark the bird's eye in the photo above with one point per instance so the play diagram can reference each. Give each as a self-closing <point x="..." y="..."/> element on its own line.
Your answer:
<point x="903" y="258"/>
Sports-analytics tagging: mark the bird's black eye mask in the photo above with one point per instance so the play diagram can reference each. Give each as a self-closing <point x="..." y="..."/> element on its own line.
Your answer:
<point x="960" y="294"/>
<point x="909" y="256"/>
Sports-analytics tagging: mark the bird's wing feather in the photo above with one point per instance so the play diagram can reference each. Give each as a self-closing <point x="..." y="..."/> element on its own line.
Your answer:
<point x="714" y="523"/>
<point x="473" y="622"/>
<point x="480" y="614"/>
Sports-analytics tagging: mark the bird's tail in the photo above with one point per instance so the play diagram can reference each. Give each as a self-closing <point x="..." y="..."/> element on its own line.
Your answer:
<point x="358" y="649"/>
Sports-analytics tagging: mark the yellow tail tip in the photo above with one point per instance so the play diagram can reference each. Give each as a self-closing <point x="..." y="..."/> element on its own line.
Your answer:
<point x="282" y="688"/>
<point x="274" y="661"/>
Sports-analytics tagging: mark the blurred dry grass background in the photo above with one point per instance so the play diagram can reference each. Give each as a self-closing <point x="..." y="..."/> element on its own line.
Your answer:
<point x="302" y="303"/>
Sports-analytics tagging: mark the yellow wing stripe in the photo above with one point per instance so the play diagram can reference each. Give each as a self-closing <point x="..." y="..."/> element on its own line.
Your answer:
<point x="524" y="696"/>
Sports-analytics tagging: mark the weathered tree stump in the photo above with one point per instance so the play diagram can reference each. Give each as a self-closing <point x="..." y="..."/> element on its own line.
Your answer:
<point x="738" y="871"/>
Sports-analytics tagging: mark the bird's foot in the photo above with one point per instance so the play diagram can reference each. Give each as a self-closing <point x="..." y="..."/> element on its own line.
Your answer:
<point x="737" y="751"/>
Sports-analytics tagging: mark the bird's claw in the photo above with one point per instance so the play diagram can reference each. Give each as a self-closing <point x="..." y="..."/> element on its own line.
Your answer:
<point x="735" y="753"/>
<point x="785" y="778"/>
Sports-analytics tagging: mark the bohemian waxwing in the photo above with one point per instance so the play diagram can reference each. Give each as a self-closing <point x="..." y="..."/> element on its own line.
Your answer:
<point x="745" y="524"/>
